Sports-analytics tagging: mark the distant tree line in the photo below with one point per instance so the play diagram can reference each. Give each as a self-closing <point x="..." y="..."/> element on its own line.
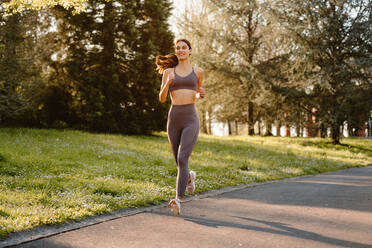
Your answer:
<point x="92" y="71"/>
<point x="302" y="64"/>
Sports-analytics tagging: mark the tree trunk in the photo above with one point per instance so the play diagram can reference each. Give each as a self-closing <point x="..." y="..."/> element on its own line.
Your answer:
<point x="250" y="118"/>
<point x="297" y="130"/>
<point x="108" y="39"/>
<point x="323" y="130"/>
<point x="229" y="127"/>
<point x="278" y="129"/>
<point x="335" y="134"/>
<point x="236" y="127"/>
<point x="209" y="120"/>
<point x="204" y="122"/>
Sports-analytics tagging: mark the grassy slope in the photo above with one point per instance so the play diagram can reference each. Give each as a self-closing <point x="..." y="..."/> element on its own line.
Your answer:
<point x="51" y="176"/>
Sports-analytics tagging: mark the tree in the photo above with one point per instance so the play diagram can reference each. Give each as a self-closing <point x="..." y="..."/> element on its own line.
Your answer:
<point x="110" y="52"/>
<point x="94" y="70"/>
<point x="230" y="39"/>
<point x="16" y="68"/>
<point x="331" y="55"/>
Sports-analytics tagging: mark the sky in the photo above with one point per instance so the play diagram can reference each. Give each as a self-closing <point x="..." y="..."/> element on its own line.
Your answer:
<point x="179" y="6"/>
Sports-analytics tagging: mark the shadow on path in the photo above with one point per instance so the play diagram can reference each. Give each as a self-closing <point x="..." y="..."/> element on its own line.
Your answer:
<point x="338" y="190"/>
<point x="272" y="228"/>
<point x="43" y="243"/>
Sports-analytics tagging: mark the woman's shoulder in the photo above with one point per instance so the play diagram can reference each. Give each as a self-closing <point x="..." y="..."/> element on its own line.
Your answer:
<point x="168" y="70"/>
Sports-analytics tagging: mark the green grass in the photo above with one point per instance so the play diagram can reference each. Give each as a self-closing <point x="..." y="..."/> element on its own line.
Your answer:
<point x="52" y="176"/>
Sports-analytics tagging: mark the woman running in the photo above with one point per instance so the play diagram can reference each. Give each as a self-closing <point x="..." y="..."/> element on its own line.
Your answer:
<point x="184" y="83"/>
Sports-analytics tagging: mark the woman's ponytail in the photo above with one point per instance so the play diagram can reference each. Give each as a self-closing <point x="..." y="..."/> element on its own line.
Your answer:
<point x="165" y="62"/>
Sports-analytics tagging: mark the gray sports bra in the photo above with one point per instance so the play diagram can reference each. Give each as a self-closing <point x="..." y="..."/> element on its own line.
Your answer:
<point x="189" y="82"/>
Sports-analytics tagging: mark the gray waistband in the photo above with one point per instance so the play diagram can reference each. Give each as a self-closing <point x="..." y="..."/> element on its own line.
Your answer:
<point x="183" y="105"/>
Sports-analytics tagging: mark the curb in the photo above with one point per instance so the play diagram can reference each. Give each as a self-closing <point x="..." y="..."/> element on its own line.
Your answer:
<point x="45" y="231"/>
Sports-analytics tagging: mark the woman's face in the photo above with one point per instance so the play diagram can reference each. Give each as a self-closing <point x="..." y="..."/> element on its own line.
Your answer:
<point x="182" y="50"/>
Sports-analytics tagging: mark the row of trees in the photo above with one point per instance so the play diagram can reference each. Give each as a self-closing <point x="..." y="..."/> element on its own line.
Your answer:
<point x="269" y="61"/>
<point x="94" y="70"/>
<point x="284" y="62"/>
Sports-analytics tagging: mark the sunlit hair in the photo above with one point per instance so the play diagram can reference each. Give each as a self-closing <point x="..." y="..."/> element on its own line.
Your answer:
<point x="170" y="60"/>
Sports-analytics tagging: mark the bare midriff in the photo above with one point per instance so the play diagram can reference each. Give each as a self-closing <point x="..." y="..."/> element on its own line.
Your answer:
<point x="183" y="96"/>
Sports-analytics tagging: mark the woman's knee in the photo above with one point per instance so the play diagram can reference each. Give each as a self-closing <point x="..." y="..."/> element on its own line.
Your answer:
<point x="183" y="158"/>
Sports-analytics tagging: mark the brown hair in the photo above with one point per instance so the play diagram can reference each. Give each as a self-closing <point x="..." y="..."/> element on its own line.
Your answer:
<point x="170" y="60"/>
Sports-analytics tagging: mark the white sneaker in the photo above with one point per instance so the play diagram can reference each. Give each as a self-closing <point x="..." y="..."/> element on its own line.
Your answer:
<point x="191" y="185"/>
<point x="175" y="206"/>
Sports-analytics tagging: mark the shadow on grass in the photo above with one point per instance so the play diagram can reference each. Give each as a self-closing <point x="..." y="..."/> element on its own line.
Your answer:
<point x="233" y="158"/>
<point x="329" y="145"/>
<point x="239" y="154"/>
<point x="242" y="153"/>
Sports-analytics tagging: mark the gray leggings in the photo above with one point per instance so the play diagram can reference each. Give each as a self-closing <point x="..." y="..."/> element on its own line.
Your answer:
<point x="183" y="130"/>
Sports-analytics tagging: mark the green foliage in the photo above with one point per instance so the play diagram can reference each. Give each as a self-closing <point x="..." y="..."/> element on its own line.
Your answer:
<point x="232" y="44"/>
<point x="93" y="71"/>
<point x="277" y="61"/>
<point x="268" y="62"/>
<point x="331" y="63"/>
<point x="15" y="6"/>
<point x="16" y="71"/>
<point x="113" y="82"/>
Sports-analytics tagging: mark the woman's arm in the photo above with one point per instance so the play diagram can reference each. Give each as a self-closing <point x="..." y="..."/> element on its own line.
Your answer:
<point x="200" y="90"/>
<point x="166" y="81"/>
<point x="200" y="78"/>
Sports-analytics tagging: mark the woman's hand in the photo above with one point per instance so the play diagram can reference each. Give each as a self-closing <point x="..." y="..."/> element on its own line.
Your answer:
<point x="167" y="79"/>
<point x="202" y="92"/>
<point x="170" y="78"/>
